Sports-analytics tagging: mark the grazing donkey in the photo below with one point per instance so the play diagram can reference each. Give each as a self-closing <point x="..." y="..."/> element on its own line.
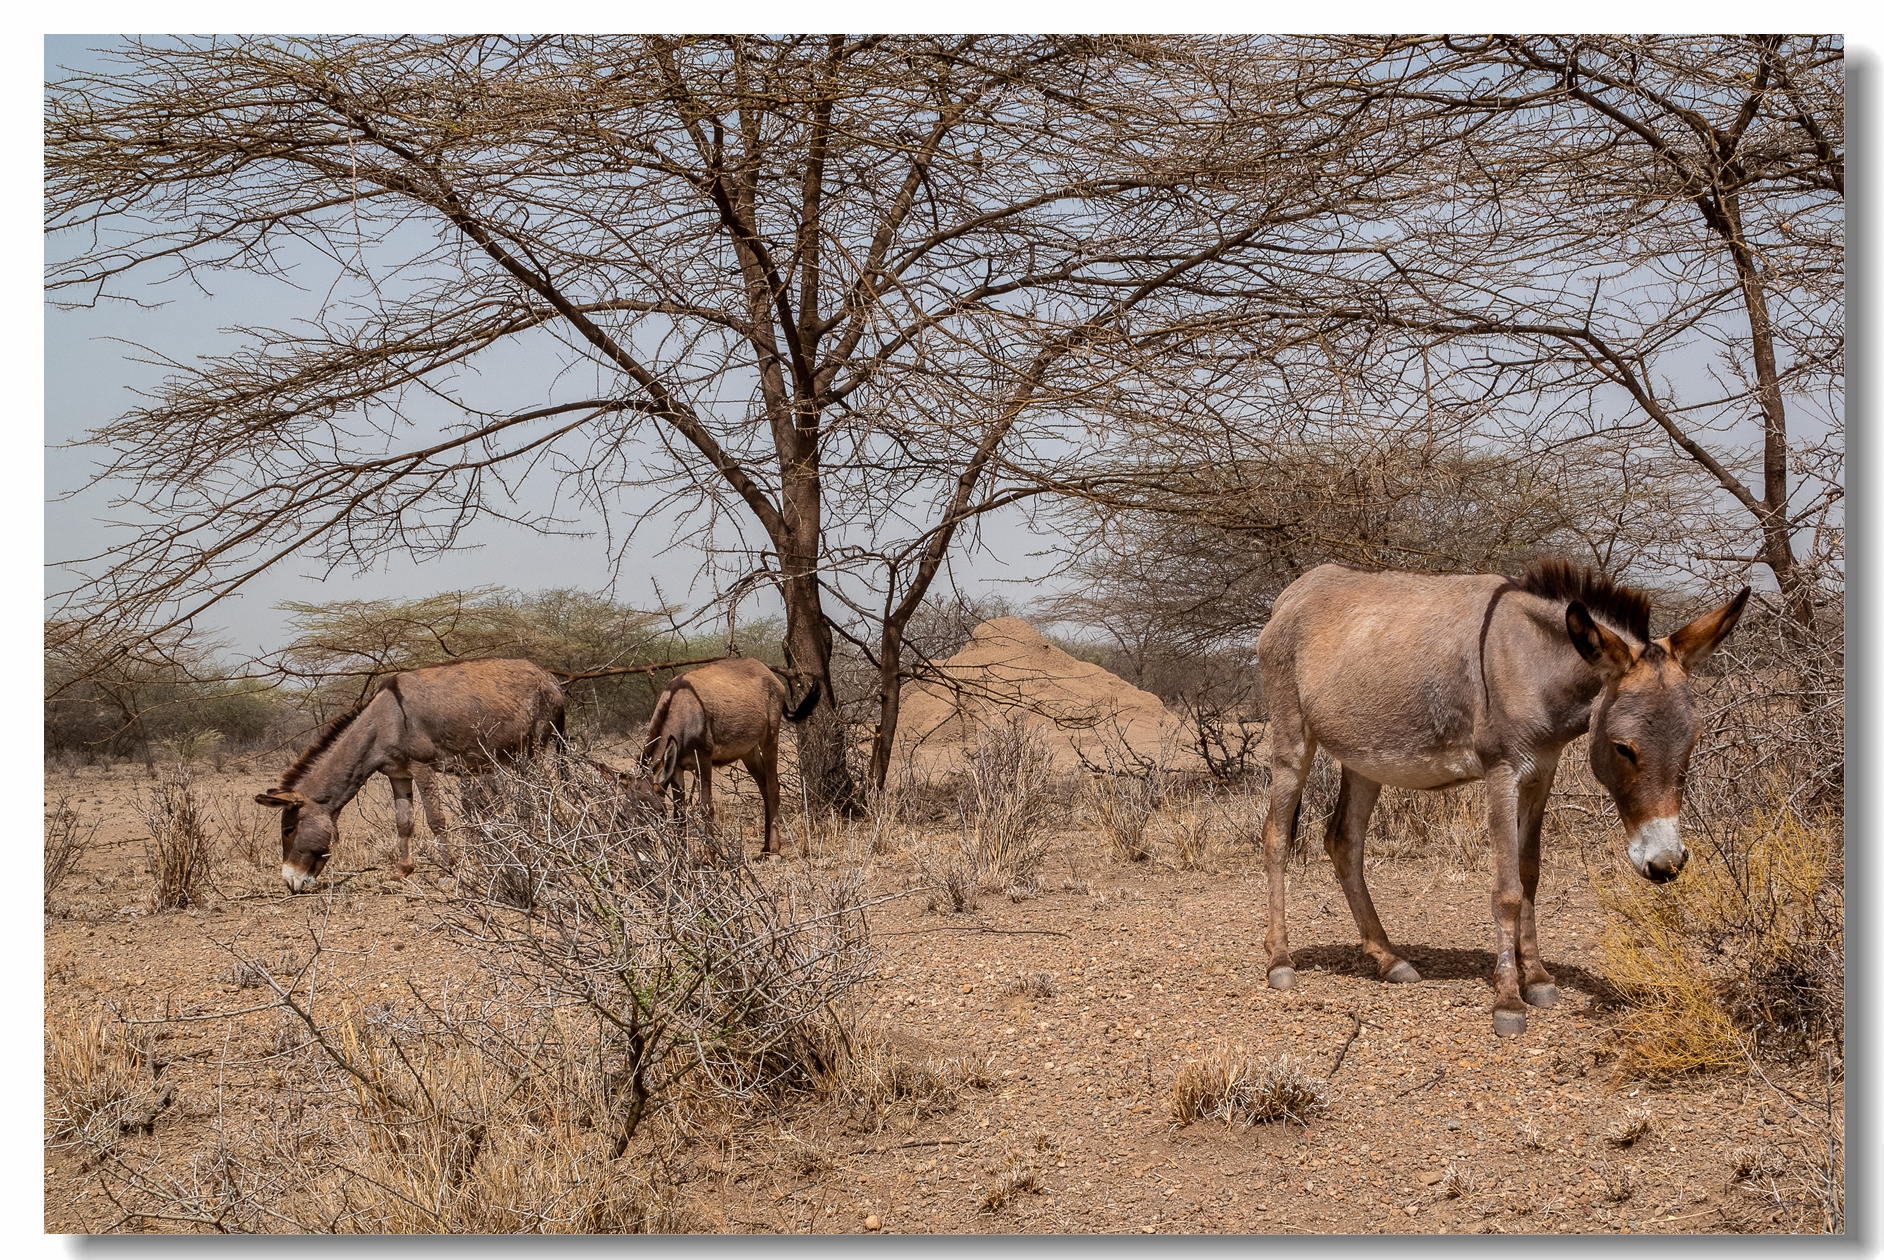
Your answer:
<point x="455" y="718"/>
<point x="1424" y="681"/>
<point x="718" y="714"/>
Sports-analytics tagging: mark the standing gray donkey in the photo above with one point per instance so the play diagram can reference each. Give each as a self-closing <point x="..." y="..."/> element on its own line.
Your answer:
<point x="1425" y="681"/>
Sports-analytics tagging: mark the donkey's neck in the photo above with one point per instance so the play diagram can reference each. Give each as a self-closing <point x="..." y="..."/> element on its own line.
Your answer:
<point x="343" y="767"/>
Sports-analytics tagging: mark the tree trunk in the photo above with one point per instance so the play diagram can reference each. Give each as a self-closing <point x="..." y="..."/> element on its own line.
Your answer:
<point x="889" y="701"/>
<point x="823" y="743"/>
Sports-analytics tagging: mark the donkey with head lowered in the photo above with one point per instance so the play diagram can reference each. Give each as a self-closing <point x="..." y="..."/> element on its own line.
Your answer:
<point x="458" y="718"/>
<point x="1424" y="681"/>
<point x="718" y="714"/>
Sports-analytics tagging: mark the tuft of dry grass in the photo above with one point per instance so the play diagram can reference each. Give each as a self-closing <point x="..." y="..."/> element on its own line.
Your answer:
<point x="1745" y="949"/>
<point x="177" y="852"/>
<point x="1618" y="1184"/>
<point x="1031" y="984"/>
<point x="68" y="836"/>
<point x="1635" y="1124"/>
<point x="1530" y="1136"/>
<point x="885" y="1077"/>
<point x="1017" y="1173"/>
<point x="97" y="1084"/>
<point x="1231" y="1085"/>
<point x="1457" y="1182"/>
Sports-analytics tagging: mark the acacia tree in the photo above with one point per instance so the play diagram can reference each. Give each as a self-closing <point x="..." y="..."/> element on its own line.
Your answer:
<point x="851" y="293"/>
<point x="1624" y="210"/>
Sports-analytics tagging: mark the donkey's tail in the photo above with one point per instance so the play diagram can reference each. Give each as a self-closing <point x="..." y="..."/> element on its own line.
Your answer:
<point x="805" y="706"/>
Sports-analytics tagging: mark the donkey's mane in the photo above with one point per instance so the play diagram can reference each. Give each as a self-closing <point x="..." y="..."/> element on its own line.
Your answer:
<point x="1623" y="606"/>
<point x="322" y="743"/>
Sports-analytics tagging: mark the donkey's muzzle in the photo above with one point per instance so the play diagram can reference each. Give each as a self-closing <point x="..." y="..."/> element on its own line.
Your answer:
<point x="1661" y="870"/>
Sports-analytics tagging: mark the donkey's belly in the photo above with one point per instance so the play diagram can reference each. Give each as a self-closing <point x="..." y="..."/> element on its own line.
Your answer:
<point x="1405" y="768"/>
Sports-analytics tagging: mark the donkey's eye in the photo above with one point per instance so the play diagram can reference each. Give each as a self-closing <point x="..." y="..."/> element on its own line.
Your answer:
<point x="1625" y="751"/>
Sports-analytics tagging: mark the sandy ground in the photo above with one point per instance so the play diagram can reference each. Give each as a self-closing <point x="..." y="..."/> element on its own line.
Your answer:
<point x="1152" y="966"/>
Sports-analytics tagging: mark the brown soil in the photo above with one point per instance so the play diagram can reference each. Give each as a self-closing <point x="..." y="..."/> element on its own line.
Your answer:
<point x="1152" y="966"/>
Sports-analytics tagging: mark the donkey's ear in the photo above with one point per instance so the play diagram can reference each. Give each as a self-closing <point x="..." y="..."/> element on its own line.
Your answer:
<point x="1696" y="641"/>
<point x="670" y="761"/>
<point x="1597" y="643"/>
<point x="281" y="798"/>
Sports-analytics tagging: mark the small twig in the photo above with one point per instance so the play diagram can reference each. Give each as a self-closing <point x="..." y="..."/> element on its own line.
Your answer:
<point x="936" y="1142"/>
<point x="1427" y="1085"/>
<point x="1343" y="1053"/>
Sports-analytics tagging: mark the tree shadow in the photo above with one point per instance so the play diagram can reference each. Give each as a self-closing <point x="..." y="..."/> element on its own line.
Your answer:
<point x="1436" y="962"/>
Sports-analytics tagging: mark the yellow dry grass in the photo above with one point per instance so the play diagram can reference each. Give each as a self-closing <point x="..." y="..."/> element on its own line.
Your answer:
<point x="1742" y="953"/>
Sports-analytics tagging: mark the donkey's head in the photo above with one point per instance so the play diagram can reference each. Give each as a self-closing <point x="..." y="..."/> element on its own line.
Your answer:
<point x="1643" y="727"/>
<point x="308" y="834"/>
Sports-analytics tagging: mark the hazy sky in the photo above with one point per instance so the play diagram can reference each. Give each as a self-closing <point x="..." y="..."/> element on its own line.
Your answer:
<point x="95" y="360"/>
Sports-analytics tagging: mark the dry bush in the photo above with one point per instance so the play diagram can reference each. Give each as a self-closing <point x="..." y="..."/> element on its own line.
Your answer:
<point x="68" y="836"/>
<point x="1231" y="1085"/>
<point x="949" y="871"/>
<point x="1618" y="1184"/>
<point x="1031" y="984"/>
<point x="1006" y="803"/>
<point x="1744" y="949"/>
<point x="178" y="852"/>
<point x="1193" y="822"/>
<point x="97" y="1084"/>
<point x="1123" y="805"/>
<point x="696" y="967"/>
<point x="1449" y="825"/>
<point x="1635" y="1124"/>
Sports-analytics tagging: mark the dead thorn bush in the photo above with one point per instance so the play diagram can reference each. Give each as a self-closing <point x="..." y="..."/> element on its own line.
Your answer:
<point x="177" y="850"/>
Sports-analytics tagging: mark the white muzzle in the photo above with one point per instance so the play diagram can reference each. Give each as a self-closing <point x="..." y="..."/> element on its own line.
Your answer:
<point x="1656" y="851"/>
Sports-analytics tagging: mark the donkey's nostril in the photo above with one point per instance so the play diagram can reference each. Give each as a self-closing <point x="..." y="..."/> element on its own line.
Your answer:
<point x="1661" y="870"/>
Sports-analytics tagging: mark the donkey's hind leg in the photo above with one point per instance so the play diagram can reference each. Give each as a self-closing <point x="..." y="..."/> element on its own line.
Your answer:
<point x="1292" y="752"/>
<point x="1346" y="843"/>
<point x="425" y="780"/>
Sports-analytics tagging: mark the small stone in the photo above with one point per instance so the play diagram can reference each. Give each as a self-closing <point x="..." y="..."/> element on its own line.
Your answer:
<point x="872" y="1223"/>
<point x="1432" y="1178"/>
<point x="1148" y="1229"/>
<point x="1452" y="1124"/>
<point x="1412" y="1210"/>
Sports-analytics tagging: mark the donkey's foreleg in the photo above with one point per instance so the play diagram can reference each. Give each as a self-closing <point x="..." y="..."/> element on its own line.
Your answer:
<point x="1289" y="763"/>
<point x="1346" y="843"/>
<point x="402" y="818"/>
<point x="1539" y="988"/>
<point x="1501" y="805"/>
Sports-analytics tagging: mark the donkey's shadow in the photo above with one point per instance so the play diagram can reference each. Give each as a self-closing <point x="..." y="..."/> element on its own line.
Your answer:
<point x="1437" y="962"/>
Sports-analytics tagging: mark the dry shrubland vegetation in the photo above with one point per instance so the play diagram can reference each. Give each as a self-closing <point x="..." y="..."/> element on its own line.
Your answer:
<point x="1117" y="283"/>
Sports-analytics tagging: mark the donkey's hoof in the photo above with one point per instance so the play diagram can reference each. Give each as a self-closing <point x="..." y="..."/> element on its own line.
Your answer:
<point x="1282" y="978"/>
<point x="404" y="868"/>
<point x="1542" y="996"/>
<point x="1508" y="1023"/>
<point x="1402" y="972"/>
